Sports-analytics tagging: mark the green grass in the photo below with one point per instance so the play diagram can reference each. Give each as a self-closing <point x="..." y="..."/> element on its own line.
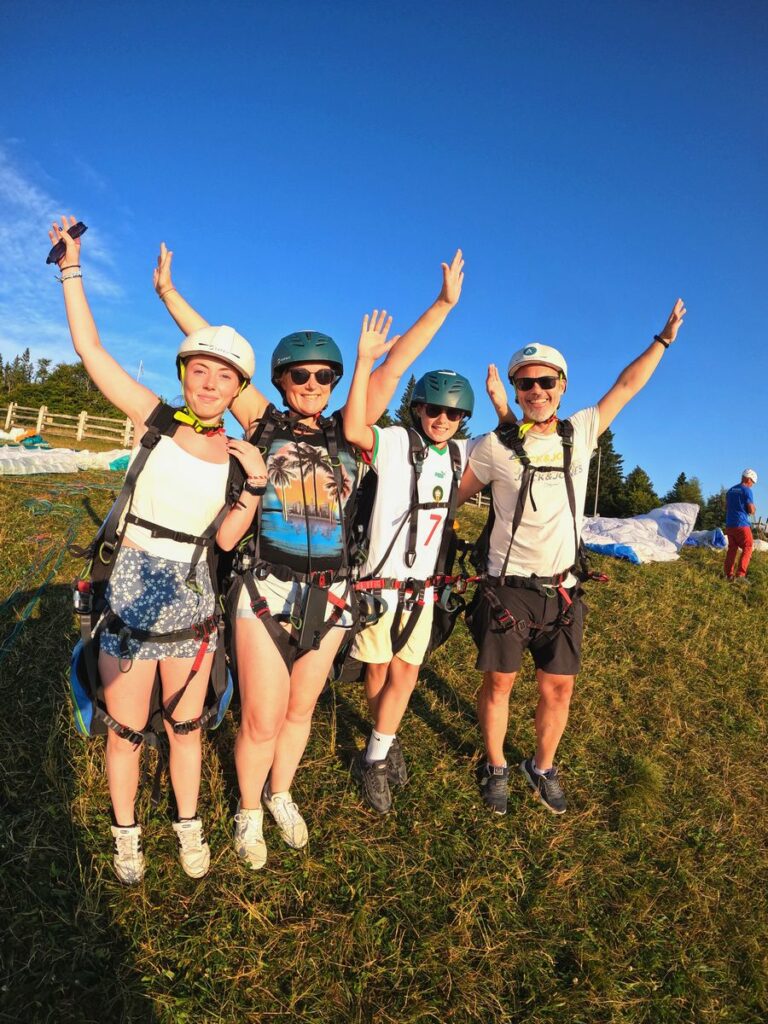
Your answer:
<point x="645" y="903"/>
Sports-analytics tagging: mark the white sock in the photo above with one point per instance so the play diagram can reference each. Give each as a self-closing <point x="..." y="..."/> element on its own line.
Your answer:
<point x="378" y="746"/>
<point x="538" y="770"/>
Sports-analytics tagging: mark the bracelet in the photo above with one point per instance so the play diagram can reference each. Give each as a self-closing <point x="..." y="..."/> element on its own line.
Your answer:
<point x="70" y="266"/>
<point x="661" y="341"/>
<point x="253" y="489"/>
<point x="162" y="295"/>
<point x="69" y="277"/>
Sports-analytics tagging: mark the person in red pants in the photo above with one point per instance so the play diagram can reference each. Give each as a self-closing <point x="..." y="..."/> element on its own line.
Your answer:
<point x="739" y="506"/>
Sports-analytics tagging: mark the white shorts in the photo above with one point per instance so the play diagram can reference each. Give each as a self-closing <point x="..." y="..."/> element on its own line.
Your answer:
<point x="374" y="644"/>
<point x="282" y="595"/>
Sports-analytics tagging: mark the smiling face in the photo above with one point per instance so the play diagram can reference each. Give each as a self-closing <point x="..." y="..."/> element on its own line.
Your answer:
<point x="310" y="397"/>
<point x="539" y="404"/>
<point x="438" y="428"/>
<point x="210" y="385"/>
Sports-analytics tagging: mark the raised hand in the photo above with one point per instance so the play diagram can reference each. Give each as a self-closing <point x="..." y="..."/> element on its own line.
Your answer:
<point x="453" y="279"/>
<point x="496" y="391"/>
<point x="372" y="343"/>
<point x="161" y="275"/>
<point x="674" y="322"/>
<point x="71" y="257"/>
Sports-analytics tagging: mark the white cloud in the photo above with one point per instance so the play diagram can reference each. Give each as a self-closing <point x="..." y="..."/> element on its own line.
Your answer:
<point x="31" y="308"/>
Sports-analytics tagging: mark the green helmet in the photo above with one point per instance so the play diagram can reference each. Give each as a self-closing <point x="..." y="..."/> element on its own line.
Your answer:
<point x="306" y="347"/>
<point x="444" y="387"/>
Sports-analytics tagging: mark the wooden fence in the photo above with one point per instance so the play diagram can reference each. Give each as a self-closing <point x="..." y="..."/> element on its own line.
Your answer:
<point x="82" y="426"/>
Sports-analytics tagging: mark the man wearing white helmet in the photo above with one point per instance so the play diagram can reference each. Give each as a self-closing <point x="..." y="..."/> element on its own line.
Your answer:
<point x="530" y="598"/>
<point x="739" y="506"/>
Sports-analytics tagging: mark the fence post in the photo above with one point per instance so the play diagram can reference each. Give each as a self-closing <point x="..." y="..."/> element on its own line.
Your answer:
<point x="9" y="415"/>
<point x="40" y="419"/>
<point x="127" y="433"/>
<point x="82" y="419"/>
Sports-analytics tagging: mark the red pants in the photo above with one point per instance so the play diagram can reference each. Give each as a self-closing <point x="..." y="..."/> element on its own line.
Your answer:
<point x="739" y="537"/>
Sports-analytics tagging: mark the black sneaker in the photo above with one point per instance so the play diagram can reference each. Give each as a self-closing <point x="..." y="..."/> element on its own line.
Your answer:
<point x="546" y="787"/>
<point x="494" y="786"/>
<point x="397" y="770"/>
<point x="372" y="776"/>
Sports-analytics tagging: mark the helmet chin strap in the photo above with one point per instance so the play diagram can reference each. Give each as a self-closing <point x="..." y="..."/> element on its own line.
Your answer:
<point x="199" y="426"/>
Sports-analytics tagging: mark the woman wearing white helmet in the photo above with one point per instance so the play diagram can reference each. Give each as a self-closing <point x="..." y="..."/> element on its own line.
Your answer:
<point x="159" y="584"/>
<point x="297" y="588"/>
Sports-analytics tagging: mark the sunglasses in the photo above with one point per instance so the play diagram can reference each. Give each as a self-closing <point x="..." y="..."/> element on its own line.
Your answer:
<point x="433" y="411"/>
<point x="526" y="383"/>
<point x="300" y="376"/>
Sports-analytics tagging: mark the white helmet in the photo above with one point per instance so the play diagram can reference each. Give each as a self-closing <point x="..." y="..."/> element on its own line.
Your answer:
<point x="749" y="474"/>
<point x="538" y="353"/>
<point x="222" y="343"/>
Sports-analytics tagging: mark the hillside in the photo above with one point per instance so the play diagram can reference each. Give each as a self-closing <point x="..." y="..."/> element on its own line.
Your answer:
<point x="645" y="903"/>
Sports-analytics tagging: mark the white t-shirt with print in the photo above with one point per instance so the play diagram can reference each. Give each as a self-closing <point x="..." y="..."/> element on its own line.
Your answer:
<point x="390" y="460"/>
<point x="544" y="542"/>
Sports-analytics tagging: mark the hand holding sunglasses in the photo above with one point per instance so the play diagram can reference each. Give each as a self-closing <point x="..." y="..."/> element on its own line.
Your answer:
<point x="58" y="250"/>
<point x="325" y="376"/>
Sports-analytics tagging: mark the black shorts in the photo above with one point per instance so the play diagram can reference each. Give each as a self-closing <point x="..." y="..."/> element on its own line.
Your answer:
<point x="556" y="648"/>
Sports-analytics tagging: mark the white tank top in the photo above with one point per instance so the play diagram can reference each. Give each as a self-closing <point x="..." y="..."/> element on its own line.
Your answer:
<point x="179" y="491"/>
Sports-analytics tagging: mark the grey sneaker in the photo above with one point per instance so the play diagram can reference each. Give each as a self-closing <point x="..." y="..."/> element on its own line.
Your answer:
<point x="128" y="859"/>
<point x="374" y="781"/>
<point x="546" y="787"/>
<point x="289" y="821"/>
<point x="493" y="781"/>
<point x="397" y="770"/>
<point x="194" y="852"/>
<point x="249" y="837"/>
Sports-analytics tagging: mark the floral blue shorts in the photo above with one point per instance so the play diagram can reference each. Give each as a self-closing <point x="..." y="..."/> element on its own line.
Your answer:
<point x="151" y="593"/>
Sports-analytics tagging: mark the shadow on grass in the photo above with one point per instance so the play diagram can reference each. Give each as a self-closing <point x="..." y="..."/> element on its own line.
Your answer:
<point x="63" y="957"/>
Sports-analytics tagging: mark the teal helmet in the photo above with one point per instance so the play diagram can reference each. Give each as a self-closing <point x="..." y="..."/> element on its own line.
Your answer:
<point x="444" y="387"/>
<point x="306" y="347"/>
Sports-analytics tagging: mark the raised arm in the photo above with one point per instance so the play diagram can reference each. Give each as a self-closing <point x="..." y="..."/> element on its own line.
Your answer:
<point x="638" y="373"/>
<point x="385" y="378"/>
<point x="117" y="386"/>
<point x="498" y="395"/>
<point x="250" y="405"/>
<point x="371" y="345"/>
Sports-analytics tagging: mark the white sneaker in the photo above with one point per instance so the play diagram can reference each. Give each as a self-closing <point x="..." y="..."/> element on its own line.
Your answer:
<point x="128" y="860"/>
<point x="289" y="821"/>
<point x="194" y="852"/>
<point x="249" y="837"/>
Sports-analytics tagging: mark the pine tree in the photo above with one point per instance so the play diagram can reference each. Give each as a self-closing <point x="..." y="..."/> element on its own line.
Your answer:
<point x="685" y="489"/>
<point x="385" y="420"/>
<point x="610" y="498"/>
<point x="403" y="413"/>
<point x="639" y="495"/>
<point x="713" y="513"/>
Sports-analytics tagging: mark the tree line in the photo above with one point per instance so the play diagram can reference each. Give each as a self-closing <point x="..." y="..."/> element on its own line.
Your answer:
<point x="67" y="388"/>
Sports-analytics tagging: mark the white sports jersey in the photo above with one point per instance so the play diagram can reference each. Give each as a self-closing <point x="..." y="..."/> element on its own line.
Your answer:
<point x="390" y="460"/>
<point x="544" y="542"/>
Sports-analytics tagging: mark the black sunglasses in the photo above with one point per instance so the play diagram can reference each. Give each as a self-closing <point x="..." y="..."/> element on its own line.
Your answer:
<point x="300" y="376"/>
<point x="526" y="383"/>
<point x="433" y="411"/>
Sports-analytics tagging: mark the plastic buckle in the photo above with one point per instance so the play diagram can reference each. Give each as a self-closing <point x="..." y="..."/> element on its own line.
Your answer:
<point x="320" y="580"/>
<point x="184" y="728"/>
<point x="260" y="608"/>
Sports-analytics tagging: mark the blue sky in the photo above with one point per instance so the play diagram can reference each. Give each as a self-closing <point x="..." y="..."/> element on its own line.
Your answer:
<point x="309" y="161"/>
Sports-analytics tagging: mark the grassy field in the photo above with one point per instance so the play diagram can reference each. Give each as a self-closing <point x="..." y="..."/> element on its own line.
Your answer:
<point x="645" y="903"/>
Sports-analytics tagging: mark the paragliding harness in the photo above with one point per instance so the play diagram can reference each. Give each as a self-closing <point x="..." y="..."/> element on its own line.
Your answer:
<point x="96" y="617"/>
<point x="447" y="589"/>
<point x="550" y="586"/>
<point x="307" y="621"/>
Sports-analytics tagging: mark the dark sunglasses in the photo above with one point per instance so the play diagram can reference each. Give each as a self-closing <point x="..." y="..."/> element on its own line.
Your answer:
<point x="300" y="376"/>
<point x="433" y="411"/>
<point x="526" y="383"/>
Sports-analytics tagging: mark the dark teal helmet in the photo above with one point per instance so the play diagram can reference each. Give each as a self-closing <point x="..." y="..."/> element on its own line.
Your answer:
<point x="306" y="347"/>
<point x="444" y="387"/>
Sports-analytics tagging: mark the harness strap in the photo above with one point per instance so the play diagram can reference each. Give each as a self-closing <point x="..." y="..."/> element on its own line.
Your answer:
<point x="157" y="530"/>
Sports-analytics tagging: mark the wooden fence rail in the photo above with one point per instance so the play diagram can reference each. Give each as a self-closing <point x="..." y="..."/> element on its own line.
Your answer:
<point x="83" y="425"/>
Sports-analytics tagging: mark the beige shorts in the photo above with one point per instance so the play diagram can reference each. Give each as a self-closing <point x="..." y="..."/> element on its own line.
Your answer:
<point x="281" y="597"/>
<point x="374" y="644"/>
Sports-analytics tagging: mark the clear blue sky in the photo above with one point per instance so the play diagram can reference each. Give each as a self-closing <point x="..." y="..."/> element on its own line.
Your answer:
<point x="308" y="161"/>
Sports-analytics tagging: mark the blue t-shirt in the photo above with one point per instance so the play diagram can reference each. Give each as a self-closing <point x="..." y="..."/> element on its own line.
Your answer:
<point x="736" y="500"/>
